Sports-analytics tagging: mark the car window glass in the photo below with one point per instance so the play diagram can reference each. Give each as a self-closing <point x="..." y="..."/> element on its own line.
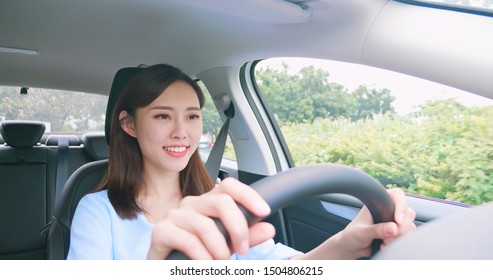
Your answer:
<point x="212" y="124"/>
<point x="485" y="6"/>
<point x="61" y="111"/>
<point x="425" y="138"/>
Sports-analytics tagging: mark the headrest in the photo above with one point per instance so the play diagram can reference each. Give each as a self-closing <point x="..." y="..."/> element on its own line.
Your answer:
<point x="119" y="82"/>
<point x="95" y="145"/>
<point x="73" y="140"/>
<point x="22" y="134"/>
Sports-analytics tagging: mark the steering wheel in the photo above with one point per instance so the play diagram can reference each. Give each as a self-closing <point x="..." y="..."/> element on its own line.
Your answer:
<point x="301" y="183"/>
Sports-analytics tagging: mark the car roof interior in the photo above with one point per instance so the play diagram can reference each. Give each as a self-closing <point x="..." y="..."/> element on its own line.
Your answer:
<point x="91" y="43"/>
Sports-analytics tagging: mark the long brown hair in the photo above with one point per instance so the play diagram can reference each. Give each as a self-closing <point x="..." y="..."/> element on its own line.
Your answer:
<point x="124" y="178"/>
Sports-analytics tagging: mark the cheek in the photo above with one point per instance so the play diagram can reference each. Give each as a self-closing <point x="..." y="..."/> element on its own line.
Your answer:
<point x="149" y="133"/>
<point x="155" y="135"/>
<point x="196" y="133"/>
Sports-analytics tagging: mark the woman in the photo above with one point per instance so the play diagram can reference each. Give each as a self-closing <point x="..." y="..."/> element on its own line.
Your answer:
<point x="157" y="196"/>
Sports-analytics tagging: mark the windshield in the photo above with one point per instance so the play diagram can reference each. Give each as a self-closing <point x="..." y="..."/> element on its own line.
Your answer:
<point x="423" y="137"/>
<point x="474" y="6"/>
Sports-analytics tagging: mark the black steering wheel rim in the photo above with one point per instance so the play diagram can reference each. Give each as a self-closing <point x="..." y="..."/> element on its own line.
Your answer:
<point x="301" y="183"/>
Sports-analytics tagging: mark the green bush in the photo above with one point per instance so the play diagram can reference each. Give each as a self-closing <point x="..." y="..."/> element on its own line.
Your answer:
<point x="443" y="151"/>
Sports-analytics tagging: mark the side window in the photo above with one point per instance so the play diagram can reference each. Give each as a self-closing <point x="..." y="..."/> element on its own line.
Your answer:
<point x="425" y="138"/>
<point x="212" y="124"/>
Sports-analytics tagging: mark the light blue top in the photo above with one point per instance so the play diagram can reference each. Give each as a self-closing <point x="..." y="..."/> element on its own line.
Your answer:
<point x="97" y="232"/>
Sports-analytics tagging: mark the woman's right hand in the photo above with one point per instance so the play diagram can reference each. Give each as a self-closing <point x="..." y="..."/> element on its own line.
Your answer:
<point x="190" y="228"/>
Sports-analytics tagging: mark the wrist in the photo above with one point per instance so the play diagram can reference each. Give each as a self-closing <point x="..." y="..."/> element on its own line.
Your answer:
<point x="333" y="248"/>
<point x="339" y="248"/>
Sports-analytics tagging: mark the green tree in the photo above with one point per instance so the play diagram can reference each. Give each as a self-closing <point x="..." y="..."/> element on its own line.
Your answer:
<point x="304" y="96"/>
<point x="210" y="117"/>
<point x="10" y="107"/>
<point x="284" y="94"/>
<point x="371" y="101"/>
<point x="329" y="100"/>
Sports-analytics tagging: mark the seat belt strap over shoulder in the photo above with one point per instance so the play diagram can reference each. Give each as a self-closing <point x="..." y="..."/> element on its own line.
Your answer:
<point x="213" y="163"/>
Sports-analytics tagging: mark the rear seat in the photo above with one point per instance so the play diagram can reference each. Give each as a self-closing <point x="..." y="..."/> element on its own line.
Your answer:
<point x="95" y="145"/>
<point x="24" y="190"/>
<point x="28" y="173"/>
<point x="65" y="161"/>
<point x="77" y="154"/>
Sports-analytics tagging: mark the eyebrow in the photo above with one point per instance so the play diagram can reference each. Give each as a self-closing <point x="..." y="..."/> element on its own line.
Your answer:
<point x="159" y="107"/>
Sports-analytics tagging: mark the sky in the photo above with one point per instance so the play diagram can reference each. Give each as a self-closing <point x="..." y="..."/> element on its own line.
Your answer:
<point x="409" y="91"/>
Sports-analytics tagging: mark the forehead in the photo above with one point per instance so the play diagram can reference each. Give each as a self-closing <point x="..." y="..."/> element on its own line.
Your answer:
<point x="177" y="93"/>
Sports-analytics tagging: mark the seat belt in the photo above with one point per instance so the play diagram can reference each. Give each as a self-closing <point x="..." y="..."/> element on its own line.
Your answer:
<point x="62" y="166"/>
<point x="213" y="163"/>
<point x="61" y="177"/>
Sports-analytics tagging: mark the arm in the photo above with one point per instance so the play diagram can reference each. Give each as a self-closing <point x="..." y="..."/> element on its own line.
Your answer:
<point x="90" y="234"/>
<point x="355" y="240"/>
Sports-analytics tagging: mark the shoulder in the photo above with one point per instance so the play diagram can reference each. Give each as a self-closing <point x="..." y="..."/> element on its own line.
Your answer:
<point x="99" y="199"/>
<point x="99" y="196"/>
<point x="94" y="204"/>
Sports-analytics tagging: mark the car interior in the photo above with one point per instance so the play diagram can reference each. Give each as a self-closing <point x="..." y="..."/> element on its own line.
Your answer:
<point x="96" y="46"/>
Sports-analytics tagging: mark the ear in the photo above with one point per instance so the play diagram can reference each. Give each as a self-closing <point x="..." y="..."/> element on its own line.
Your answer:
<point x="127" y="123"/>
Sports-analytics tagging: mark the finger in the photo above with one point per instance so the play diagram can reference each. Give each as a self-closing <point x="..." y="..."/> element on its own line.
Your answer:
<point x="223" y="207"/>
<point x="244" y="195"/>
<point x="167" y="237"/>
<point x="261" y="232"/>
<point x="411" y="214"/>
<point x="384" y="231"/>
<point x="205" y="229"/>
<point x="408" y="224"/>
<point x="399" y="198"/>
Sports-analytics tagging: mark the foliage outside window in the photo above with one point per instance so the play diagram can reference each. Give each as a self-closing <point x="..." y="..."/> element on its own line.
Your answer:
<point x="61" y="111"/>
<point x="212" y="124"/>
<point x="441" y="149"/>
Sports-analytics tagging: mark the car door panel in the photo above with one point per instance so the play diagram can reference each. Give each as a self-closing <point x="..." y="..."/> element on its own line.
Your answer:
<point x="311" y="222"/>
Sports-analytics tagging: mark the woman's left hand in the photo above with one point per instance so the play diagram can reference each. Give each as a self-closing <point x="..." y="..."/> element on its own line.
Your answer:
<point x="355" y="240"/>
<point x="359" y="234"/>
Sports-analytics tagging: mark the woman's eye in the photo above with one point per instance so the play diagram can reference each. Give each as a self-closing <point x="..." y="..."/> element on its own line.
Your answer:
<point x="162" y="116"/>
<point x="194" y="117"/>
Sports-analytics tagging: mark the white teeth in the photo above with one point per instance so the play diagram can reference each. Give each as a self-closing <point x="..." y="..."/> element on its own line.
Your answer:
<point x="176" y="149"/>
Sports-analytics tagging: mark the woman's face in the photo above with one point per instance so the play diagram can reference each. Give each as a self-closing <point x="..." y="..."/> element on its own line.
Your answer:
<point x="168" y="130"/>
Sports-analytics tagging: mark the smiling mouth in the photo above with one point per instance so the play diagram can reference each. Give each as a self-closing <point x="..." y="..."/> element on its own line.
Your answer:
<point x="176" y="149"/>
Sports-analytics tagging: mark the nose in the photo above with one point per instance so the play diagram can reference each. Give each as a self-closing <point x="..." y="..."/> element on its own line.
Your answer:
<point x="179" y="130"/>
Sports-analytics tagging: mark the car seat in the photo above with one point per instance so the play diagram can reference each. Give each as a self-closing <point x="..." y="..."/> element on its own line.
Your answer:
<point x="25" y="180"/>
<point x="83" y="180"/>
